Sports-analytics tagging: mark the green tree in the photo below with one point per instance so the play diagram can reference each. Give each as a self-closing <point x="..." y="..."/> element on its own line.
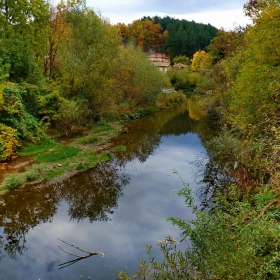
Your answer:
<point x="136" y="79"/>
<point x="255" y="91"/>
<point x="181" y="59"/>
<point x="86" y="56"/>
<point x="24" y="26"/>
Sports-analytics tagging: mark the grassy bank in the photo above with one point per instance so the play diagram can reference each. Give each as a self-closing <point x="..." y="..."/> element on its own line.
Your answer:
<point x="54" y="160"/>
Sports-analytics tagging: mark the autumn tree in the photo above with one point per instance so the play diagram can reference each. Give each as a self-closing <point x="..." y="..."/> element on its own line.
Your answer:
<point x="226" y="43"/>
<point x="86" y="55"/>
<point x="136" y="80"/>
<point x="201" y="60"/>
<point x="147" y="34"/>
<point x="256" y="87"/>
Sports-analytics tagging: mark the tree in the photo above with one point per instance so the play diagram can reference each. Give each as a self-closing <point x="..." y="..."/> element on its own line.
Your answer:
<point x="24" y="28"/>
<point x="256" y="88"/>
<point x="181" y="59"/>
<point x="86" y="56"/>
<point x="201" y="60"/>
<point x="136" y="80"/>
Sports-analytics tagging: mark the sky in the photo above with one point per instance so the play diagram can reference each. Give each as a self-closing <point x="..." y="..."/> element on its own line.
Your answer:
<point x="218" y="13"/>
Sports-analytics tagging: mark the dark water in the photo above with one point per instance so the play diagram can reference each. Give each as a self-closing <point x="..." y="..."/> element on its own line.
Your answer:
<point x="117" y="207"/>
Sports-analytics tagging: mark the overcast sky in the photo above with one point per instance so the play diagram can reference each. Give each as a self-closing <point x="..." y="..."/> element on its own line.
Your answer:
<point x="219" y="13"/>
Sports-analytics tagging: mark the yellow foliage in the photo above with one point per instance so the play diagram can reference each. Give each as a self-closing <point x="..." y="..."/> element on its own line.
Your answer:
<point x="1" y="98"/>
<point x="201" y="60"/>
<point x="8" y="141"/>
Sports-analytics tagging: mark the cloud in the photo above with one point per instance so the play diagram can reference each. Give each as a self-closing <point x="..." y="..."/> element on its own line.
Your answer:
<point x="220" y="14"/>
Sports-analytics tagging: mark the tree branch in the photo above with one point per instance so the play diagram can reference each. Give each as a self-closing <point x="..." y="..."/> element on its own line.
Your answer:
<point x="78" y="257"/>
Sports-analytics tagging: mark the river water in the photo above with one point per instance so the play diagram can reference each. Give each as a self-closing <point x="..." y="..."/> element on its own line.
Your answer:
<point x="117" y="208"/>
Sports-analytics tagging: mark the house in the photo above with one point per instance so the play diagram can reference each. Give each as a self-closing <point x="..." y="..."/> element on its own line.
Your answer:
<point x="160" y="60"/>
<point x="179" y="66"/>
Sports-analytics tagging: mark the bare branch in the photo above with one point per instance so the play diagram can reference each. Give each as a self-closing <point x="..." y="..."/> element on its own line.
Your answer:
<point x="76" y="247"/>
<point x="63" y="265"/>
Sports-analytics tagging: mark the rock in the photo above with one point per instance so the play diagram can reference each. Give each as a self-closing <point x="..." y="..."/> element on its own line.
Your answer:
<point x="124" y="130"/>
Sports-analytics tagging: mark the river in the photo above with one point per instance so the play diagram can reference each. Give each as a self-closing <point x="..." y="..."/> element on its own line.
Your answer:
<point x="116" y="208"/>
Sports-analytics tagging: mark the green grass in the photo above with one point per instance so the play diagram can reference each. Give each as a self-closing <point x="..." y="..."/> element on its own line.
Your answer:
<point x="81" y="162"/>
<point x="70" y="159"/>
<point x="58" y="155"/>
<point x="119" y="148"/>
<point x="38" y="148"/>
<point x="36" y="171"/>
<point x="101" y="126"/>
<point x="90" y="139"/>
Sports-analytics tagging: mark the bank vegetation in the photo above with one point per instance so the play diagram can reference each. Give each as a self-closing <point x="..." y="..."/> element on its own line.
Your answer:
<point x="236" y="232"/>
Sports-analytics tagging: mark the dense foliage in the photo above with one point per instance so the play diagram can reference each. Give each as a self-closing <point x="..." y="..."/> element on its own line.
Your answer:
<point x="173" y="36"/>
<point x="64" y="67"/>
<point x="236" y="235"/>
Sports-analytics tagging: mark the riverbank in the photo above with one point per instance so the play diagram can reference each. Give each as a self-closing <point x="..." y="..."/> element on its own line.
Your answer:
<point x="57" y="160"/>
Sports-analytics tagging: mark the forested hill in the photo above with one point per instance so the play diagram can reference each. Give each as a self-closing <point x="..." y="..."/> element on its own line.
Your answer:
<point x="185" y="37"/>
<point x="173" y="36"/>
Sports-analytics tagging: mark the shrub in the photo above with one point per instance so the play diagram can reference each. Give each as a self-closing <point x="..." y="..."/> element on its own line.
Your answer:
<point x="235" y="240"/>
<point x="13" y="181"/>
<point x="8" y="141"/>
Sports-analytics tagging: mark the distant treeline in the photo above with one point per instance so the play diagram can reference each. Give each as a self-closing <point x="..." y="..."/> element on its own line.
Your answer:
<point x="173" y="36"/>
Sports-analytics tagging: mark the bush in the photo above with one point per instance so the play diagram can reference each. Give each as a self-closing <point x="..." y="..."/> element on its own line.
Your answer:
<point x="8" y="141"/>
<point x="235" y="240"/>
<point x="13" y="181"/>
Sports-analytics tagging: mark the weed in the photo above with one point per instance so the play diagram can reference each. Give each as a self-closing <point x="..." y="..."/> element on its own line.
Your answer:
<point x="13" y="181"/>
<point x="101" y="126"/>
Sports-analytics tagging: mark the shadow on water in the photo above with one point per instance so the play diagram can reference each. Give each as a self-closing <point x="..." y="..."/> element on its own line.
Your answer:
<point x="94" y="196"/>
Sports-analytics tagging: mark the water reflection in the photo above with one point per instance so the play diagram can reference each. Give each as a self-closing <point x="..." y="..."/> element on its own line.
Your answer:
<point x="144" y="136"/>
<point x="154" y="145"/>
<point x="93" y="195"/>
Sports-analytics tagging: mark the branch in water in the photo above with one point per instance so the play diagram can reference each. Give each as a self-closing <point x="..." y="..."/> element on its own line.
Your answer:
<point x="78" y="257"/>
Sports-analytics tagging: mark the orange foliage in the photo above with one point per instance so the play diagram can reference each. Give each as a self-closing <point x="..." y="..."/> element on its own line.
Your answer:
<point x="59" y="30"/>
<point x="148" y="34"/>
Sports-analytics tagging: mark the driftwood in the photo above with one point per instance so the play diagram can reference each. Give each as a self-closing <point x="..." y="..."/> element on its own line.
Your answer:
<point x="89" y="254"/>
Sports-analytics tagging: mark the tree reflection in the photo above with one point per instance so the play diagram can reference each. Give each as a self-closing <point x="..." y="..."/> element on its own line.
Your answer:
<point x="93" y="195"/>
<point x="144" y="135"/>
<point x="212" y="176"/>
<point x="20" y="211"/>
